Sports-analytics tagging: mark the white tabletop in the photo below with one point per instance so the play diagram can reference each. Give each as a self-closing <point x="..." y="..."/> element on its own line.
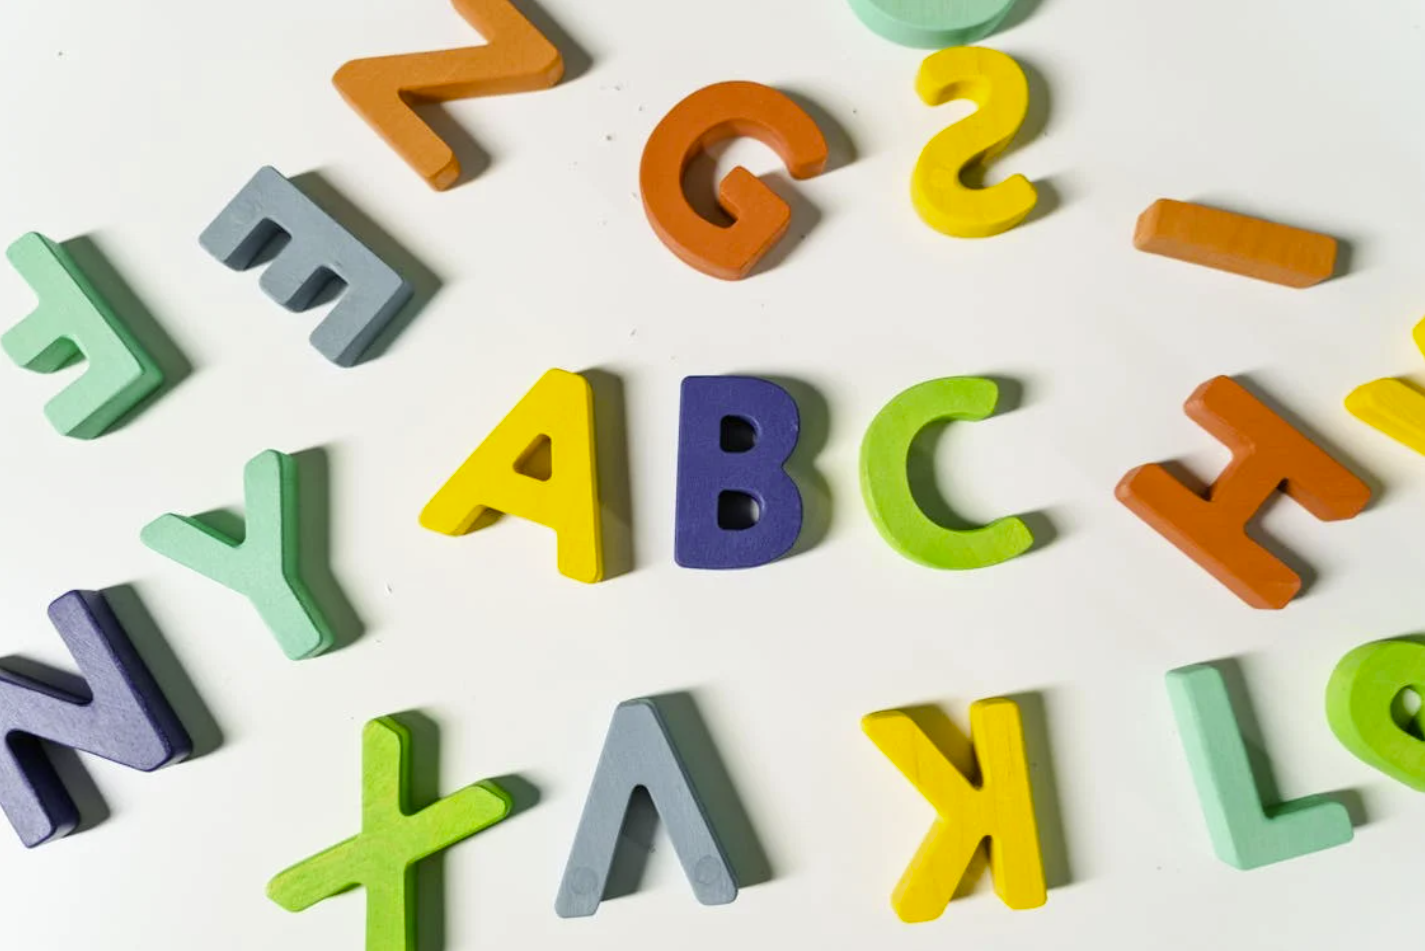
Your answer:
<point x="134" y="125"/>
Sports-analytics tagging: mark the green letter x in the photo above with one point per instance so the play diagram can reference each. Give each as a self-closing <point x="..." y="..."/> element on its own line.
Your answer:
<point x="382" y="857"/>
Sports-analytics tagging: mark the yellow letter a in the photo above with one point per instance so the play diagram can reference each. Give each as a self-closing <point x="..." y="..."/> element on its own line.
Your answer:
<point x="1000" y="809"/>
<point x="559" y="411"/>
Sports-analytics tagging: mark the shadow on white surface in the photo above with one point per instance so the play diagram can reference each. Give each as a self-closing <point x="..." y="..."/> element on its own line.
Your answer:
<point x="136" y="316"/>
<point x="577" y="60"/>
<point x="947" y="737"/>
<point x="1250" y="727"/>
<point x="314" y="489"/>
<point x="1034" y="714"/>
<point x="1052" y="194"/>
<point x="925" y="482"/>
<point x="167" y="671"/>
<point x="1020" y="12"/>
<point x="710" y="776"/>
<point x="817" y="504"/>
<point x="726" y="811"/>
<point x="474" y="159"/>
<point x="615" y="478"/>
<point x="425" y="790"/>
<point x="424" y="282"/>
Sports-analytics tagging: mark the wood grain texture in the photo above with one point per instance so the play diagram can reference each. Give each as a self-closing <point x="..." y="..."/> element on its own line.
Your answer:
<point x="1237" y="243"/>
<point x="515" y="58"/>
<point x="266" y="564"/>
<point x="558" y="411"/>
<point x="885" y="484"/>
<point x="760" y="218"/>
<point x="1246" y="832"/>
<point x="1392" y="406"/>
<point x="1000" y="809"/>
<point x="1267" y="455"/>
<point x="393" y="837"/>
<point x="995" y="83"/>
<point x="74" y="321"/>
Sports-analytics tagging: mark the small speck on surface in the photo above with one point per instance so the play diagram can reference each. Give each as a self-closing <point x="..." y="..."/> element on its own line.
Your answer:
<point x="608" y="136"/>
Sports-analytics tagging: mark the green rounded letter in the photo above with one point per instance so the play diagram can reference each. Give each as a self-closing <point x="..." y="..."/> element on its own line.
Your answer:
<point x="886" y="488"/>
<point x="1363" y="689"/>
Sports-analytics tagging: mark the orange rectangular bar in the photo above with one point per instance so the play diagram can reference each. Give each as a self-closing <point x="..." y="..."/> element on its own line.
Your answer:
<point x="1230" y="242"/>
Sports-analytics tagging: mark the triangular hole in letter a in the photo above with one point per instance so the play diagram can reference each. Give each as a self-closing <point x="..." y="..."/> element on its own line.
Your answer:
<point x="537" y="461"/>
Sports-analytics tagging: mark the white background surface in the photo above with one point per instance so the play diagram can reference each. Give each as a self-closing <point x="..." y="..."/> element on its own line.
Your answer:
<point x="135" y="123"/>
